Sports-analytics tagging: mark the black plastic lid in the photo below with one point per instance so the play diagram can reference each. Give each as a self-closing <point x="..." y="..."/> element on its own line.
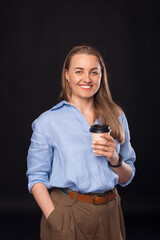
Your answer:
<point x="100" y="128"/>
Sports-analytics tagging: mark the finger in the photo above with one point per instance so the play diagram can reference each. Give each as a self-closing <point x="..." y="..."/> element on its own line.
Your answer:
<point x="108" y="137"/>
<point x="103" y="148"/>
<point x="103" y="153"/>
<point x="102" y="143"/>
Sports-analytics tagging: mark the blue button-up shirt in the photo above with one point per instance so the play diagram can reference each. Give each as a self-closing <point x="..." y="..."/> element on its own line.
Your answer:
<point x="60" y="154"/>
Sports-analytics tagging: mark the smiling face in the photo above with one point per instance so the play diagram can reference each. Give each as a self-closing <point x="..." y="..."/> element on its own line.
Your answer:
<point x="84" y="76"/>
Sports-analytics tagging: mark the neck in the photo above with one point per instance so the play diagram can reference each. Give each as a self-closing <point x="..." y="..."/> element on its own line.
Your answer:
<point x="84" y="106"/>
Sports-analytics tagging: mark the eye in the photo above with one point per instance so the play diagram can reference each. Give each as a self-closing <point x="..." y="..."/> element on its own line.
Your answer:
<point x="78" y="72"/>
<point x="94" y="73"/>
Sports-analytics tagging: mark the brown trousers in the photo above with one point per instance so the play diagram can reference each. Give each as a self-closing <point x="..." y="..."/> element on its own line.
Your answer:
<point x="74" y="220"/>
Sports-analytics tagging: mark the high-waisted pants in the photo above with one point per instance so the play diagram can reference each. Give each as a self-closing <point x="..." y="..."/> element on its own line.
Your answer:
<point x="75" y="220"/>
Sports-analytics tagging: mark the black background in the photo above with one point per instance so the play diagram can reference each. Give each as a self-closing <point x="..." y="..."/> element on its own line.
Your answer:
<point x="36" y="36"/>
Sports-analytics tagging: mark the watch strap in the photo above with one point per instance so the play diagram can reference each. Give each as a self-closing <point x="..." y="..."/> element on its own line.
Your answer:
<point x="119" y="162"/>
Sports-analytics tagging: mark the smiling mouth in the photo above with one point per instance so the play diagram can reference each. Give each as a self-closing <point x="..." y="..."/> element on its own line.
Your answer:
<point x="86" y="87"/>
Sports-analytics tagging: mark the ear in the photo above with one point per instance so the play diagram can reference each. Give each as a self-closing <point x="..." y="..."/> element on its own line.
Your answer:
<point x="66" y="75"/>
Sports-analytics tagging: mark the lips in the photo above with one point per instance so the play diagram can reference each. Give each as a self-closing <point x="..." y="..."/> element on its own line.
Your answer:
<point x="86" y="87"/>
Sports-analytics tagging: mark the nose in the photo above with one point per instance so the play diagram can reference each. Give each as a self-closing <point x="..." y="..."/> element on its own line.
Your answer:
<point x="87" y="78"/>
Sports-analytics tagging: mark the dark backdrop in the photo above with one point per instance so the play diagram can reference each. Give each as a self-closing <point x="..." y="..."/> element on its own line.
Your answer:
<point x="36" y="36"/>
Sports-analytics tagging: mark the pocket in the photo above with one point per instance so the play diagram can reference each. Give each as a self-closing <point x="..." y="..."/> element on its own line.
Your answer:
<point x="50" y="215"/>
<point x="55" y="220"/>
<point x="56" y="199"/>
<point x="53" y="216"/>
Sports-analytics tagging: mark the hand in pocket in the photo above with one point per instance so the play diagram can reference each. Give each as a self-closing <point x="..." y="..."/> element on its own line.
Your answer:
<point x="50" y="214"/>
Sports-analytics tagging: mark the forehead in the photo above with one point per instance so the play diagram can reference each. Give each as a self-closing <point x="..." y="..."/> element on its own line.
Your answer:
<point x="84" y="61"/>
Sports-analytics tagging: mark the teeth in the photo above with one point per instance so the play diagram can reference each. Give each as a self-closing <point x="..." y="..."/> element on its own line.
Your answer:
<point x="85" y="86"/>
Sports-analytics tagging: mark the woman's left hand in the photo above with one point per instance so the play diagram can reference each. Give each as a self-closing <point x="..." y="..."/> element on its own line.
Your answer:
<point x="107" y="148"/>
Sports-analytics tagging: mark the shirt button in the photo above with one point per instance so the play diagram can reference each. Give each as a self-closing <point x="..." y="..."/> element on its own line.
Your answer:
<point x="100" y="167"/>
<point x="104" y="184"/>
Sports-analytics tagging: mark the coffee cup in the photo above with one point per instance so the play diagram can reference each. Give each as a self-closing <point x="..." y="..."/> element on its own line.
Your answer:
<point x="96" y="131"/>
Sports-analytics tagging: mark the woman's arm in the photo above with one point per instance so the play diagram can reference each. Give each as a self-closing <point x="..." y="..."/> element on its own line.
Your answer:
<point x="108" y="149"/>
<point x="124" y="172"/>
<point x="39" y="162"/>
<point x="42" y="197"/>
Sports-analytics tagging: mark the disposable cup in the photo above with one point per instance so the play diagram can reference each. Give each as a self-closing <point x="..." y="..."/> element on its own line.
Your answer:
<point x="96" y="130"/>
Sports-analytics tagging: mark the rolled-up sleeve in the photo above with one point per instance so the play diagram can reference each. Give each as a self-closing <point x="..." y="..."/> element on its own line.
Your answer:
<point x="126" y="150"/>
<point x="39" y="158"/>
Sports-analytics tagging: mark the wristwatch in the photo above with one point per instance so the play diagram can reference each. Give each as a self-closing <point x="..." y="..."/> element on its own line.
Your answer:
<point x="119" y="162"/>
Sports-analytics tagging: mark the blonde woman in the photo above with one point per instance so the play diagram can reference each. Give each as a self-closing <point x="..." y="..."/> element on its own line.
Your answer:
<point x="83" y="202"/>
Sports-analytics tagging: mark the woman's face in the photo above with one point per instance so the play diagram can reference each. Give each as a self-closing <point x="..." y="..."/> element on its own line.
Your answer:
<point x="84" y="76"/>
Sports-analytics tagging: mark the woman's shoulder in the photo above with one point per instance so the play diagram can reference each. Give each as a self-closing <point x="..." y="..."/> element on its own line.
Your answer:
<point x="123" y="119"/>
<point x="122" y="116"/>
<point x="50" y="114"/>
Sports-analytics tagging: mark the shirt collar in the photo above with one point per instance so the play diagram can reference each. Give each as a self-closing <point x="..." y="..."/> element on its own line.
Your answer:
<point x="64" y="102"/>
<point x="60" y="104"/>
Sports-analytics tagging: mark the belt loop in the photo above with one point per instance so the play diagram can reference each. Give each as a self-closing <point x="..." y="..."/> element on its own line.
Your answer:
<point x="75" y="197"/>
<point x="107" y="198"/>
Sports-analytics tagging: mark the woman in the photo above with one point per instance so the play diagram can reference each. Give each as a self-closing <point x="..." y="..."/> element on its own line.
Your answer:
<point x="84" y="203"/>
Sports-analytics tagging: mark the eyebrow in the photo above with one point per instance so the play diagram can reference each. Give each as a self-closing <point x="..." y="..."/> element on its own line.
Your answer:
<point x="95" y="68"/>
<point x="79" y="68"/>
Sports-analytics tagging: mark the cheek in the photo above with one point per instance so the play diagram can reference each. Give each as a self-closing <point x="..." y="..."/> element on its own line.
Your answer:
<point x="74" y="80"/>
<point x="98" y="83"/>
<point x="73" y="83"/>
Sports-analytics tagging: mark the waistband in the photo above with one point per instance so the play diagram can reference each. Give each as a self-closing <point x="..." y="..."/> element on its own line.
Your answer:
<point x="95" y="198"/>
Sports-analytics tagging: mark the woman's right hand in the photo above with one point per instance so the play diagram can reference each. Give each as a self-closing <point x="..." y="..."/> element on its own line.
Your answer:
<point x="42" y="197"/>
<point x="48" y="213"/>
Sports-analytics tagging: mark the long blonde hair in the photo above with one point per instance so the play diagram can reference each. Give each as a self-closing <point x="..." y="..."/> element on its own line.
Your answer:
<point x="103" y="103"/>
